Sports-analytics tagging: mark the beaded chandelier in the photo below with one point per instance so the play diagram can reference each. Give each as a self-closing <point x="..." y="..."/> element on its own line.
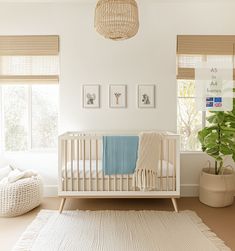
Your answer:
<point x="117" y="19"/>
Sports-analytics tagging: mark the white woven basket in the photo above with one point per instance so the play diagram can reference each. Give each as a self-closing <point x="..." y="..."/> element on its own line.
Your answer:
<point x="20" y="197"/>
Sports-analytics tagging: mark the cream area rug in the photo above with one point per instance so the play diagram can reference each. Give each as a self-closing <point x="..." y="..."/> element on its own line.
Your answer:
<point x="118" y="231"/>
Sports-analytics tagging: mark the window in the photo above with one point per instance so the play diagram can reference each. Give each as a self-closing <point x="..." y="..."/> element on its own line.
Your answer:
<point x="29" y="117"/>
<point x="44" y="118"/>
<point x="191" y="50"/>
<point x="190" y="121"/>
<point x="29" y="68"/>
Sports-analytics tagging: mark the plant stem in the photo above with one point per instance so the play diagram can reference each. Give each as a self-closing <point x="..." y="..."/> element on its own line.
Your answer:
<point x="217" y="170"/>
<point x="220" y="166"/>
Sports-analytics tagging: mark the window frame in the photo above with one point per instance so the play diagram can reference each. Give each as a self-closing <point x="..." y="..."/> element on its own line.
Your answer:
<point x="29" y="126"/>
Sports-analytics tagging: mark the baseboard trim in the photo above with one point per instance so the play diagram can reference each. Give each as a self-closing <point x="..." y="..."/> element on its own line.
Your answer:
<point x="50" y="191"/>
<point x="187" y="190"/>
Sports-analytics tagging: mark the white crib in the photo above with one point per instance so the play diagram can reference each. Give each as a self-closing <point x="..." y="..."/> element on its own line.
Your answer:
<point x="81" y="174"/>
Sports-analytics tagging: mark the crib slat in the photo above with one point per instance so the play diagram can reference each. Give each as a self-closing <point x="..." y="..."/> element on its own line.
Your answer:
<point x="84" y="165"/>
<point x="127" y="182"/>
<point x="80" y="149"/>
<point x="78" y="159"/>
<point x="90" y="158"/>
<point x="133" y="180"/>
<point x="161" y="162"/>
<point x="102" y="181"/>
<point x="96" y="159"/>
<point x="65" y="166"/>
<point x="167" y="168"/>
<point x="121" y="182"/>
<point x="115" y="181"/>
<point x="71" y="161"/>
<point x="108" y="182"/>
<point x="174" y="168"/>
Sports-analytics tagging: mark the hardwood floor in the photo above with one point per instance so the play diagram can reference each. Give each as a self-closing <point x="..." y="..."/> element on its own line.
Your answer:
<point x="220" y="220"/>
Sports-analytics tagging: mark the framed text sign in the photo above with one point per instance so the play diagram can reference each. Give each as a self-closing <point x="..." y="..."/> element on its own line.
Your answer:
<point x="214" y="86"/>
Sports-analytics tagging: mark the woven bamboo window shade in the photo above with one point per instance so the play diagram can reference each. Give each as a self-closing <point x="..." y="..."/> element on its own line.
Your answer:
<point x="29" y="59"/>
<point x="117" y="19"/>
<point x="192" y="49"/>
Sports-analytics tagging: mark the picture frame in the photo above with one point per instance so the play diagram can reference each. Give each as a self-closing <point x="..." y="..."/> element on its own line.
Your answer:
<point x="117" y="96"/>
<point x="91" y="96"/>
<point x="146" y="96"/>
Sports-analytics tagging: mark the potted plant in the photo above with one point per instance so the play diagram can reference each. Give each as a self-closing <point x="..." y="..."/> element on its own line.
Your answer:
<point x="217" y="184"/>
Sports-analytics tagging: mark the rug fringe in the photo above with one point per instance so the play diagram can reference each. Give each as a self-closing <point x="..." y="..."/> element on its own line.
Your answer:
<point x="26" y="241"/>
<point x="207" y="231"/>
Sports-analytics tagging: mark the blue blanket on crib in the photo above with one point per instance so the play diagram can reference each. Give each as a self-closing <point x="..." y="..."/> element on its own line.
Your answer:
<point x="119" y="154"/>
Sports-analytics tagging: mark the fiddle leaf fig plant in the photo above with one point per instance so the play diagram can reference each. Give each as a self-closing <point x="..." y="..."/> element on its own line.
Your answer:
<point x="218" y="138"/>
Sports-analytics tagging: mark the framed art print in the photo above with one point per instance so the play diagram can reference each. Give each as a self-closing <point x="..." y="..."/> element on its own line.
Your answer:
<point x="146" y="96"/>
<point x="117" y="96"/>
<point x="91" y="96"/>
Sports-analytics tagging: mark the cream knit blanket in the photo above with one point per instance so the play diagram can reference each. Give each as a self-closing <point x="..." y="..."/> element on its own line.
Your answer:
<point x="148" y="160"/>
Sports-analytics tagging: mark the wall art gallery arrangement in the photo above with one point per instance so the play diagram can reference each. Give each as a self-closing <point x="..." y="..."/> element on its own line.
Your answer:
<point x="118" y="96"/>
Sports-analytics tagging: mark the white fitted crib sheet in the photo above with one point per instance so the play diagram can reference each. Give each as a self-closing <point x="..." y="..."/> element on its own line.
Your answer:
<point x="77" y="170"/>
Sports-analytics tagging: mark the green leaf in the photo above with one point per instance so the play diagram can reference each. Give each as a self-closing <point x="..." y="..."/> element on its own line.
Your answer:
<point x="227" y="140"/>
<point x="211" y="138"/>
<point x="211" y="145"/>
<point x="228" y="129"/>
<point x="213" y="150"/>
<point x="203" y="133"/>
<point x="213" y="128"/>
<point x="228" y="133"/>
<point x="233" y="157"/>
<point x="212" y="119"/>
<point x="225" y="150"/>
<point x="220" y="117"/>
<point x="232" y="124"/>
<point x="230" y="119"/>
<point x="231" y="114"/>
<point x="232" y="147"/>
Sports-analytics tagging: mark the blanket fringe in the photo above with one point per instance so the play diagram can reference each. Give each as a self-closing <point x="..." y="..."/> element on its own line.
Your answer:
<point x="145" y="180"/>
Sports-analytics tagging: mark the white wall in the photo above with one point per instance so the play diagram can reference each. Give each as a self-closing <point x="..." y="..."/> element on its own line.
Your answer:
<point x="86" y="58"/>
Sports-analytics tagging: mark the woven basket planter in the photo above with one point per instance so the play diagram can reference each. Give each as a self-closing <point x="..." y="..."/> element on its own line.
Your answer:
<point x="117" y="19"/>
<point x="20" y="197"/>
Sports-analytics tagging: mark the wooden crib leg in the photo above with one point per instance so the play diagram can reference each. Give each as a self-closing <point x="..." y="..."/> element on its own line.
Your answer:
<point x="62" y="205"/>
<point x="174" y="202"/>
